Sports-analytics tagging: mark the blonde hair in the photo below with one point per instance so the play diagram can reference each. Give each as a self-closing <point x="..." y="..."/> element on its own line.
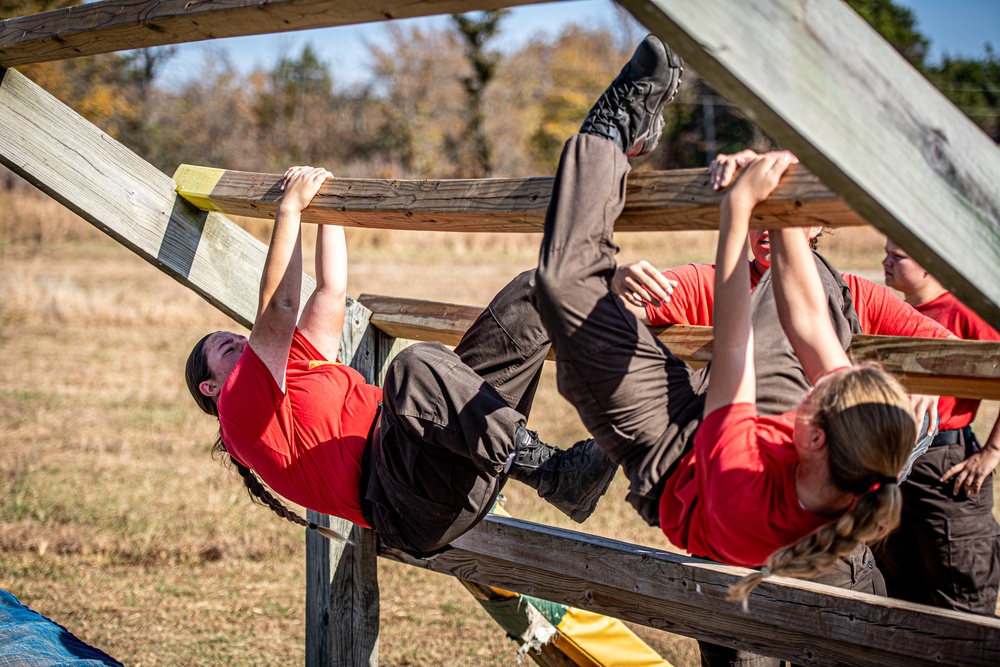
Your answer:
<point x="870" y="432"/>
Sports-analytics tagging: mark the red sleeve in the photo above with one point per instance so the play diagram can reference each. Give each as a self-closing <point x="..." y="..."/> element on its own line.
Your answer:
<point x="726" y="439"/>
<point x="971" y="326"/>
<point x="303" y="350"/>
<point x="882" y="313"/>
<point x="692" y="301"/>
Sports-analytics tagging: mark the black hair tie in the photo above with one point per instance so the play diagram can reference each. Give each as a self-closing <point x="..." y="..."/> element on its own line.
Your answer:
<point x="887" y="480"/>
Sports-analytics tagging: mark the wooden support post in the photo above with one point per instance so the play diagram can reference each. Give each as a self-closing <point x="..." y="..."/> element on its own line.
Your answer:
<point x="655" y="201"/>
<point x="342" y="594"/>
<point x="823" y="83"/>
<point x="113" y="25"/>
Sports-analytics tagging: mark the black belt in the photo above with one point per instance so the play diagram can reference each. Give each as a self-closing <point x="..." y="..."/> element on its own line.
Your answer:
<point x="958" y="436"/>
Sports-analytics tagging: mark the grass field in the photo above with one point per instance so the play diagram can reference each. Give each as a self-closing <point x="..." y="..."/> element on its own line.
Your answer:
<point x="116" y="522"/>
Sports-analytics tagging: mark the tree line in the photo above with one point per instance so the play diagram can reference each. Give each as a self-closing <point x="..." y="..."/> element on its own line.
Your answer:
<point x="440" y="102"/>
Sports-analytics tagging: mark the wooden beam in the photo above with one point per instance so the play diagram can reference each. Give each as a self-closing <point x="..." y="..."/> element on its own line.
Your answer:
<point x="655" y="201"/>
<point x="805" y="623"/>
<point x="818" y="79"/>
<point x="968" y="369"/>
<point x="118" y="25"/>
<point x="137" y="205"/>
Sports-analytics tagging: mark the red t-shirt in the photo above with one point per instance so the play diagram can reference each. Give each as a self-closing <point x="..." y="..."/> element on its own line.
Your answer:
<point x="960" y="320"/>
<point x="306" y="443"/>
<point x="732" y="497"/>
<point x="880" y="311"/>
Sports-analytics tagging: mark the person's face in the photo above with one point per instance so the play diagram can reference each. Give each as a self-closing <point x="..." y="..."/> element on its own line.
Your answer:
<point x="901" y="271"/>
<point x="760" y="245"/>
<point x="222" y="350"/>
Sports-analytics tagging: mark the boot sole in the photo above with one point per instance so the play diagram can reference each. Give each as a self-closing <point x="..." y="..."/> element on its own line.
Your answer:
<point x="583" y="512"/>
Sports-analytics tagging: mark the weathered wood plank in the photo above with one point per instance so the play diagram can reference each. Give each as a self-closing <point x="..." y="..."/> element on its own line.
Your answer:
<point x="130" y="200"/>
<point x="655" y="201"/>
<point x="805" y="623"/>
<point x="137" y="205"/>
<point x="823" y="83"/>
<point x="968" y="369"/>
<point x="117" y="25"/>
<point x="342" y="593"/>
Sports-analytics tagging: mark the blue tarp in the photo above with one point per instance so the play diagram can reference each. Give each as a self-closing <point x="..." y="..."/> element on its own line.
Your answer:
<point x="28" y="639"/>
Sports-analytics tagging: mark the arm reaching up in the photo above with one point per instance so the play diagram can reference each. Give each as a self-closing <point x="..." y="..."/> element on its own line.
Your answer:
<point x="281" y="282"/>
<point x="733" y="373"/>
<point x="322" y="319"/>
<point x="802" y="306"/>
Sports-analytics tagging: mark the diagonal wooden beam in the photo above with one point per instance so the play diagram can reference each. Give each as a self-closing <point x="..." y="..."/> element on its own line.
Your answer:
<point x="655" y="201"/>
<point x="963" y="368"/>
<point x="115" y="190"/>
<point x="823" y="83"/>
<point x="802" y="622"/>
<point x="117" y="25"/>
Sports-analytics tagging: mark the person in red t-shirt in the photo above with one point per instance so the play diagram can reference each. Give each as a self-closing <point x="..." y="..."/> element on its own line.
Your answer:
<point x="947" y="550"/>
<point x="421" y="460"/>
<point x="872" y="309"/>
<point x="878" y="311"/>
<point x="717" y="477"/>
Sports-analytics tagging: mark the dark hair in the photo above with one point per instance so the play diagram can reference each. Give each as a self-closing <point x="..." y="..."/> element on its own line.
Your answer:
<point x="197" y="371"/>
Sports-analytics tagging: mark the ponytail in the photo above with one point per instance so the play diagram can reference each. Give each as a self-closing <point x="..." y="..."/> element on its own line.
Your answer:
<point x="870" y="432"/>
<point x="260" y="494"/>
<point x="874" y="515"/>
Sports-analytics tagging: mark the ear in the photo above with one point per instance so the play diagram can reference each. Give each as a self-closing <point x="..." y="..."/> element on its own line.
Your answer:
<point x="209" y="388"/>
<point x="817" y="439"/>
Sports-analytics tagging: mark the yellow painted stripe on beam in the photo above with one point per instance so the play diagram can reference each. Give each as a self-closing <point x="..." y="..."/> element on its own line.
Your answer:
<point x="195" y="184"/>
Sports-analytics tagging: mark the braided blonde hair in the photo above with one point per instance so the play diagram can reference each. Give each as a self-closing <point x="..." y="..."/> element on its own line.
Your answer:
<point x="870" y="432"/>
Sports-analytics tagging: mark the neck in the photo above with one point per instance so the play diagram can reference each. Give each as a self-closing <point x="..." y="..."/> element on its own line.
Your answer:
<point x="927" y="292"/>
<point x="816" y="492"/>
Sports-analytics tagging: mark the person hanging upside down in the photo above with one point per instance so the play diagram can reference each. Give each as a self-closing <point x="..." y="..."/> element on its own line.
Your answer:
<point x="789" y="492"/>
<point x="421" y="460"/>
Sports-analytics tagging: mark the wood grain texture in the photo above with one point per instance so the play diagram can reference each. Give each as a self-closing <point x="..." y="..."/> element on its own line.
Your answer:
<point x="117" y="25"/>
<point x="342" y="594"/>
<point x="967" y="369"/>
<point x="655" y="201"/>
<point x="130" y="200"/>
<point x="134" y="203"/>
<point x="819" y="80"/>
<point x="805" y="623"/>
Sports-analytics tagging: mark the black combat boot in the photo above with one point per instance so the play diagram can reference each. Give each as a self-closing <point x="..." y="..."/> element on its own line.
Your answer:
<point x="571" y="480"/>
<point x="630" y="112"/>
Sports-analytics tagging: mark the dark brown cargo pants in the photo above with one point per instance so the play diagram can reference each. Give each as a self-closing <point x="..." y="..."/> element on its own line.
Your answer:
<point x="640" y="401"/>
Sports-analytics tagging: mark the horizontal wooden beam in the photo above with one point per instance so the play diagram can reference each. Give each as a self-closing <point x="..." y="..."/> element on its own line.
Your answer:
<point x="819" y="80"/>
<point x="118" y="25"/>
<point x="805" y="623"/>
<point x="663" y="200"/>
<point x="968" y="369"/>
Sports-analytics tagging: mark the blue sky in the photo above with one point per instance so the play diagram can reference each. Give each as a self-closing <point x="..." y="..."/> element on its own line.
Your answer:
<point x="955" y="27"/>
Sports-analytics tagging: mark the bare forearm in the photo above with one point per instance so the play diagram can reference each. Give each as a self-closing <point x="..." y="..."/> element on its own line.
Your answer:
<point x="732" y="277"/>
<point x="322" y="319"/>
<point x="733" y="378"/>
<point x="281" y="282"/>
<point x="801" y="303"/>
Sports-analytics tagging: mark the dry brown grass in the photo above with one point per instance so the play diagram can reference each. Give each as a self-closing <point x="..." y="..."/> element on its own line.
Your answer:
<point x="115" y="521"/>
